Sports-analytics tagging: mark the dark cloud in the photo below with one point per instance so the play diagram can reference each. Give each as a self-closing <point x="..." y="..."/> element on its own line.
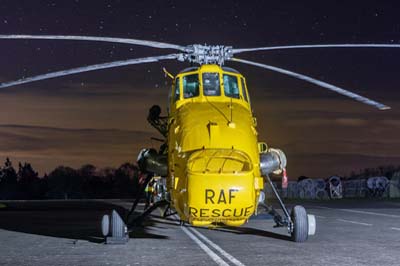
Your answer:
<point x="48" y="147"/>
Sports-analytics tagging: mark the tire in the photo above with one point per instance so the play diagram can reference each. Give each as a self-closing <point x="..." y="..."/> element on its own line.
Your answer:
<point x="300" y="224"/>
<point x="105" y="225"/>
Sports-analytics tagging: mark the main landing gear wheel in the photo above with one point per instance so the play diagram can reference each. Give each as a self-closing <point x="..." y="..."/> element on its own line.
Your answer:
<point x="300" y="224"/>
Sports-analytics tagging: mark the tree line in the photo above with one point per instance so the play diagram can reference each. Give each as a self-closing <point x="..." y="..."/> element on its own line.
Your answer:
<point x="89" y="182"/>
<point x="383" y="170"/>
<point x="68" y="183"/>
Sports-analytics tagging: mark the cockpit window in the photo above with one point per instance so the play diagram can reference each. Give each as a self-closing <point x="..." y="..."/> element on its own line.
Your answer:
<point x="244" y="92"/>
<point x="231" y="87"/>
<point x="177" y="90"/>
<point x="190" y="86"/>
<point x="211" y="84"/>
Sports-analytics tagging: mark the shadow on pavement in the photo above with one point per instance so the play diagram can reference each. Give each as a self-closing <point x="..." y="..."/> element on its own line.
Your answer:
<point x="254" y="231"/>
<point x="234" y="230"/>
<point x="76" y="219"/>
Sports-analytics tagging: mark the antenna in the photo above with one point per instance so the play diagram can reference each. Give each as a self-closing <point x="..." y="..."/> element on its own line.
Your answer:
<point x="231" y="111"/>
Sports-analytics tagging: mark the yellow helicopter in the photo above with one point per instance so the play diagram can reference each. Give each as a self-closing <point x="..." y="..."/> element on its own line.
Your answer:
<point x="212" y="162"/>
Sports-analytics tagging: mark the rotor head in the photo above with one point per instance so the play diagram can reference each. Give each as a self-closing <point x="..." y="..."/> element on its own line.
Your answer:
<point x="207" y="54"/>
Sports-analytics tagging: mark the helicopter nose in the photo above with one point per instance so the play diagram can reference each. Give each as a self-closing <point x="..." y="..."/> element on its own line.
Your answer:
<point x="221" y="187"/>
<point x="220" y="198"/>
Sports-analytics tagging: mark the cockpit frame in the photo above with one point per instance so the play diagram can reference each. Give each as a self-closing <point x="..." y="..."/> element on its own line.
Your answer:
<point x="196" y="85"/>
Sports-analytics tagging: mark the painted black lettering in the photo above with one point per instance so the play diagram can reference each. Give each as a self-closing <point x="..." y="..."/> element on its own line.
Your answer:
<point x="231" y="196"/>
<point x="224" y="211"/>
<point x="222" y="198"/>
<point x="204" y="212"/>
<point x="216" y="213"/>
<point x="248" y="211"/>
<point x="210" y="195"/>
<point x="236" y="210"/>
<point x="193" y="212"/>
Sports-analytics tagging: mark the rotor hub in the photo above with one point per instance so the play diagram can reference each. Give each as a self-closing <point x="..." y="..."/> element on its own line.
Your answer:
<point x="207" y="54"/>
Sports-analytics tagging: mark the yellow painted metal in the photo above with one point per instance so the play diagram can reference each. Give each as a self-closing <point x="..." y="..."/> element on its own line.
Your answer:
<point x="213" y="151"/>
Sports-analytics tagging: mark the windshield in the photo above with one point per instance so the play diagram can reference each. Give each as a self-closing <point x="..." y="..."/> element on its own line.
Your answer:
<point x="190" y="86"/>
<point x="231" y="87"/>
<point x="211" y="84"/>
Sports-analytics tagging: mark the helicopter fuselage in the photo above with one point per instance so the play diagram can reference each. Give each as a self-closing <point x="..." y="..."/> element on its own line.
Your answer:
<point x="213" y="154"/>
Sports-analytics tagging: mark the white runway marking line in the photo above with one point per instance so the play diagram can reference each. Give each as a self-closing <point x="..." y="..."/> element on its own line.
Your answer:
<point x="353" y="222"/>
<point x="216" y="247"/>
<point x="207" y="250"/>
<point x="395" y="228"/>
<point x="362" y="212"/>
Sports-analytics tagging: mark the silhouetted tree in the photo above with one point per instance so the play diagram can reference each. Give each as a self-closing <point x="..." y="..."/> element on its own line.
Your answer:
<point x="28" y="181"/>
<point x="107" y="177"/>
<point x="9" y="174"/>
<point x="64" y="182"/>
<point x="90" y="180"/>
<point x="8" y="182"/>
<point x="126" y="180"/>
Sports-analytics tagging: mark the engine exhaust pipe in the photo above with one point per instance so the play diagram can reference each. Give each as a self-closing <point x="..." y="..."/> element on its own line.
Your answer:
<point x="273" y="161"/>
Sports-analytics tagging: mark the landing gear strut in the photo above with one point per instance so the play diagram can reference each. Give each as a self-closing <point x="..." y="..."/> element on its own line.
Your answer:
<point x="299" y="224"/>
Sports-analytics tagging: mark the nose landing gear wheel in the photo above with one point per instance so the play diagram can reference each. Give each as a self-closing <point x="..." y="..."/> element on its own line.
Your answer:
<point x="300" y="224"/>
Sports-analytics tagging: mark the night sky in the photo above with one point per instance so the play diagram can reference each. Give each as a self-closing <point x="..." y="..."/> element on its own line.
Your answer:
<point x="100" y="117"/>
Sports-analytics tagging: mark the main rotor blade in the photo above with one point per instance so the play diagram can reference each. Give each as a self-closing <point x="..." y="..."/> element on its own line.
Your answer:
<point x="304" y="46"/>
<point x="97" y="39"/>
<point x="88" y="68"/>
<point x="328" y="86"/>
